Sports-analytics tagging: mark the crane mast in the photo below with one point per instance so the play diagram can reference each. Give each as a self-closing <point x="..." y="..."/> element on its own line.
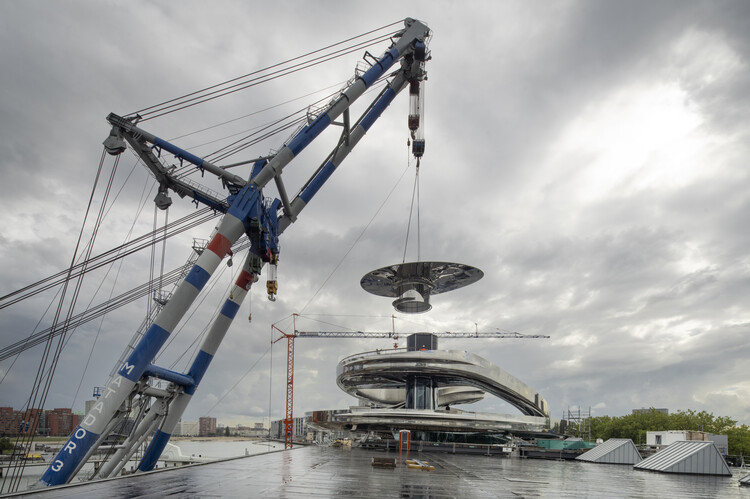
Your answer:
<point x="246" y="211"/>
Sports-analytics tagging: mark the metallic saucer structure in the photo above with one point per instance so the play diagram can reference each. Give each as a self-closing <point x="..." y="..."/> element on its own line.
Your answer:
<point x="412" y="283"/>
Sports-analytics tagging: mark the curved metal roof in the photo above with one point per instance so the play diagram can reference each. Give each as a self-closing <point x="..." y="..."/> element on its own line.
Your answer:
<point x="389" y="369"/>
<point x="613" y="451"/>
<point x="690" y="457"/>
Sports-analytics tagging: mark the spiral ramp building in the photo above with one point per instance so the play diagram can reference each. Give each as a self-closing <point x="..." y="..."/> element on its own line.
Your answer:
<point x="416" y="389"/>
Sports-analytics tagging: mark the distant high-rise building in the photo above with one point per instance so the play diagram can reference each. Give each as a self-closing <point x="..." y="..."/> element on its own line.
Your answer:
<point x="206" y="426"/>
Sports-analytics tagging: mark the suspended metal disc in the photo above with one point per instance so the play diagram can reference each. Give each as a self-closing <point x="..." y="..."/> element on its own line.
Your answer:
<point x="413" y="283"/>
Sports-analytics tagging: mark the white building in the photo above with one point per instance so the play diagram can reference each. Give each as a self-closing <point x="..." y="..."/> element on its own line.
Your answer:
<point x="663" y="438"/>
<point x="187" y="429"/>
<point x="246" y="431"/>
<point x="657" y="438"/>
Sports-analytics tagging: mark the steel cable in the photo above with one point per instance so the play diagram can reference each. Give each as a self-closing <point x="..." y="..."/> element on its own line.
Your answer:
<point x="174" y="104"/>
<point x="188" y="222"/>
<point x="22" y="439"/>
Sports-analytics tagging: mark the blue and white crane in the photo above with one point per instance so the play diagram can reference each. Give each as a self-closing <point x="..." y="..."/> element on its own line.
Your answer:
<point x="246" y="211"/>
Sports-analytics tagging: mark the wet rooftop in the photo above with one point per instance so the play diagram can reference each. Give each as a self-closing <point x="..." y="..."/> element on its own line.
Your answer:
<point x="336" y="472"/>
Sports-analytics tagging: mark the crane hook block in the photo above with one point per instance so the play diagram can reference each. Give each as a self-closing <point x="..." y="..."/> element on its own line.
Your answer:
<point x="417" y="148"/>
<point x="272" y="285"/>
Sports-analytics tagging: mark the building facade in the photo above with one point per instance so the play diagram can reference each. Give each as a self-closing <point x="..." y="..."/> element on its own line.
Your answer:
<point x="257" y="431"/>
<point x="661" y="439"/>
<point x="56" y="422"/>
<point x="9" y="421"/>
<point x="206" y="426"/>
<point x="299" y="428"/>
<point x="61" y="422"/>
<point x="187" y="429"/>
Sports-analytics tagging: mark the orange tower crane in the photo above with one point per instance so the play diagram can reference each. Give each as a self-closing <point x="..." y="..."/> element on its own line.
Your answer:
<point x="288" y="416"/>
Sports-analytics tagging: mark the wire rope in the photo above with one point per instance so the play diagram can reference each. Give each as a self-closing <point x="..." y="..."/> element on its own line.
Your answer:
<point x="79" y="283"/>
<point x="326" y="322"/>
<point x="92" y="313"/>
<point x="194" y="101"/>
<point x="419" y="225"/>
<point x="152" y="253"/>
<point x="24" y="342"/>
<point x="114" y="283"/>
<point x="93" y="345"/>
<point x="271" y="67"/>
<point x="281" y="128"/>
<point x="48" y="376"/>
<point x="227" y="392"/>
<point x="183" y="224"/>
<point x="14" y="477"/>
<point x="359" y="237"/>
<point x="346" y="315"/>
<point x="163" y="250"/>
<point x="270" y="385"/>
<point x="282" y="124"/>
<point x="229" y="150"/>
<point x="209" y="93"/>
<point x="89" y="314"/>
<point x="411" y="210"/>
<point x="217" y="125"/>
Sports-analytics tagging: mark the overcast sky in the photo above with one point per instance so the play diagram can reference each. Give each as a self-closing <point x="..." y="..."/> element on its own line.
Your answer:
<point x="590" y="157"/>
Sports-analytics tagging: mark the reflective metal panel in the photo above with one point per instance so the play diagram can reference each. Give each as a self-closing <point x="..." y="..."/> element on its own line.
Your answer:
<point x="412" y="283"/>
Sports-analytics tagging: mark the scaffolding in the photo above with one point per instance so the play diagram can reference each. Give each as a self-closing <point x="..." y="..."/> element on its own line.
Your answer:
<point x="582" y="421"/>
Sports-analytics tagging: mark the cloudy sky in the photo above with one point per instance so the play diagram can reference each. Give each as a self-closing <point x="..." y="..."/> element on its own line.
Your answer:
<point x="590" y="157"/>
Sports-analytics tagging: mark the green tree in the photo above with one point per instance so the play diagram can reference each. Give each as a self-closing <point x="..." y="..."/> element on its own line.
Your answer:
<point x="739" y="440"/>
<point x="5" y="444"/>
<point x="226" y="431"/>
<point x="635" y="426"/>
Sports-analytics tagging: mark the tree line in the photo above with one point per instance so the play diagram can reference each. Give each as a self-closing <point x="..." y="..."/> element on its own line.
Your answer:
<point x="634" y="426"/>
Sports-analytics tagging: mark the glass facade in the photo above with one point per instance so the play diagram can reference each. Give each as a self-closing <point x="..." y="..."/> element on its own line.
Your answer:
<point x="420" y="393"/>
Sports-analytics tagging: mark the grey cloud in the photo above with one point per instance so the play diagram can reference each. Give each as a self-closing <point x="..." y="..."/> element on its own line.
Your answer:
<point x="641" y="290"/>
